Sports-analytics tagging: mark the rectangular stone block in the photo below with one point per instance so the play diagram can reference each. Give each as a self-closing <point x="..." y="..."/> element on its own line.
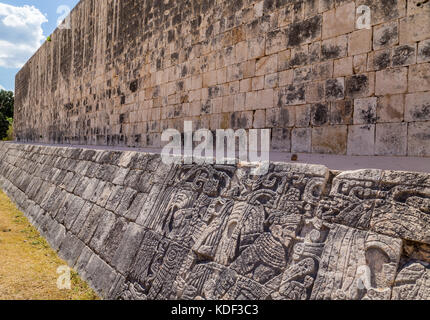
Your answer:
<point x="419" y="77"/>
<point x="419" y="139"/>
<point x="391" y="139"/>
<point x="365" y="111"/>
<point x="332" y="140"/>
<point x="391" y="108"/>
<point x="361" y="140"/>
<point x="417" y="107"/>
<point x="392" y="81"/>
<point x="301" y="140"/>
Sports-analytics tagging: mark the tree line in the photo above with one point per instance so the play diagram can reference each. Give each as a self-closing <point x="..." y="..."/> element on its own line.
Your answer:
<point x="6" y="114"/>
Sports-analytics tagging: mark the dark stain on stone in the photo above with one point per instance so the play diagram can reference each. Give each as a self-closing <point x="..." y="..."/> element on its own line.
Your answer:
<point x="422" y="113"/>
<point x="334" y="89"/>
<point x="68" y="106"/>
<point x="387" y="36"/>
<point x="330" y="52"/>
<point x="122" y="99"/>
<point x="134" y="85"/>
<point x="284" y="117"/>
<point x="402" y="54"/>
<point x="356" y="85"/>
<point x="368" y="116"/>
<point x="299" y="59"/>
<point x="382" y="61"/>
<point x="206" y="107"/>
<point x="426" y="51"/>
<point x="319" y="114"/>
<point x="303" y="31"/>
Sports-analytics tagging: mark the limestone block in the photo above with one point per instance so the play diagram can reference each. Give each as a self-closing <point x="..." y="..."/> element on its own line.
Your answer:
<point x="419" y="139"/>
<point x="417" y="107"/>
<point x="280" y="117"/>
<point x="419" y="77"/>
<point x="404" y="55"/>
<point x="414" y="28"/>
<point x="360" y="86"/>
<point x="303" y="116"/>
<point x="361" y="140"/>
<point x="339" y="21"/>
<point x="315" y="92"/>
<point x="360" y="63"/>
<point x="341" y="112"/>
<point x="301" y="140"/>
<point x="258" y="83"/>
<point x="391" y="139"/>
<point x="335" y="89"/>
<point x="343" y="67"/>
<point x="385" y="35"/>
<point x="424" y="51"/>
<point x="320" y="113"/>
<point x="360" y="42"/>
<point x="266" y="65"/>
<point x="334" y="48"/>
<point x="392" y="81"/>
<point x="365" y="111"/>
<point x="391" y="108"/>
<point x="329" y="139"/>
<point x="259" y="119"/>
<point x="379" y="60"/>
<point x="292" y="95"/>
<point x="271" y="81"/>
<point x="281" y="139"/>
<point x="285" y="78"/>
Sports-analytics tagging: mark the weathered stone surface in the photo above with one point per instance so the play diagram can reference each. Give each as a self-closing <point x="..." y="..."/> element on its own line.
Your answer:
<point x="150" y="65"/>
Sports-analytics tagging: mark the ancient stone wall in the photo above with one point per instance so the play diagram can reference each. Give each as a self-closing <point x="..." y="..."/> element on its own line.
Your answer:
<point x="138" y="229"/>
<point x="129" y="69"/>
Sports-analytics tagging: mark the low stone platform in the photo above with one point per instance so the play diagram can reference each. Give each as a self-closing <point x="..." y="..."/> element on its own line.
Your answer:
<point x="135" y="228"/>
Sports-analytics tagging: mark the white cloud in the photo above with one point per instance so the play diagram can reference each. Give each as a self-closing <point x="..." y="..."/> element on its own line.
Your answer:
<point x="21" y="34"/>
<point x="1" y="87"/>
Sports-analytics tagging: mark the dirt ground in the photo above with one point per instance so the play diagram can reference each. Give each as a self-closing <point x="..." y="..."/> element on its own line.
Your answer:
<point x="28" y="265"/>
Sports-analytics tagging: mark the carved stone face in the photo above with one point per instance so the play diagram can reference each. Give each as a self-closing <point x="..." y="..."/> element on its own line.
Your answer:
<point x="285" y="233"/>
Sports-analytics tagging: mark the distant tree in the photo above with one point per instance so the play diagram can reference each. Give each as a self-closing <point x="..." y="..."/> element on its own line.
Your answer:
<point x="6" y="103"/>
<point x="4" y="126"/>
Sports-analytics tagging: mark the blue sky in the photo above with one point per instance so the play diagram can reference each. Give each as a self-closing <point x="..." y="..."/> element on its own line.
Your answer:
<point x="24" y="26"/>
